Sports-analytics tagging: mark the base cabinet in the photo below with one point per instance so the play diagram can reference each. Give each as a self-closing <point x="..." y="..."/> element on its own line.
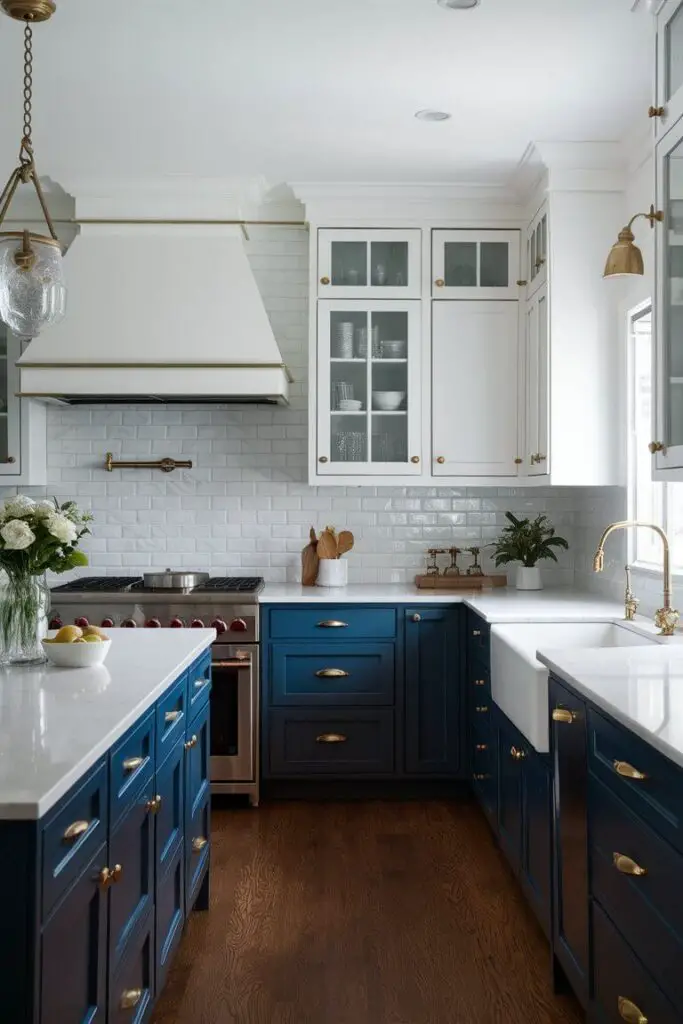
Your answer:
<point x="432" y="694"/>
<point x="132" y="986"/>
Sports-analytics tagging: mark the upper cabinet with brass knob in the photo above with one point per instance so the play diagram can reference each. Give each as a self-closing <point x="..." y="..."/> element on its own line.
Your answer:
<point x="23" y="437"/>
<point x="358" y="263"/>
<point x="536" y="269"/>
<point x="471" y="264"/>
<point x="667" y="106"/>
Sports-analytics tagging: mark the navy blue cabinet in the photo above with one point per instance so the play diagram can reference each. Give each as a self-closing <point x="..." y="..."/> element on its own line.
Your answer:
<point x="432" y="691"/>
<point x="169" y="910"/>
<point x="132" y="985"/>
<point x="131" y="855"/>
<point x="197" y="810"/>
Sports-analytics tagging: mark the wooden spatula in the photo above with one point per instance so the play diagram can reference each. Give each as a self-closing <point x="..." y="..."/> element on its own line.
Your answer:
<point x="327" y="545"/>
<point x="344" y="542"/>
<point x="309" y="562"/>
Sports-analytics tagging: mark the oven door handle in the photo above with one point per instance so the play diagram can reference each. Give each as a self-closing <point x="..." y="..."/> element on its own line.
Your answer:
<point x="232" y="663"/>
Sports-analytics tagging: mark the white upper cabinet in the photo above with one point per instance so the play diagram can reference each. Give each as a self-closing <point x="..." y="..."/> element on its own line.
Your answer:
<point x="475" y="360"/>
<point x="669" y="66"/>
<point x="473" y="264"/>
<point x="23" y="424"/>
<point x="358" y="263"/>
<point x="537" y="252"/>
<point x="368" y="393"/>
<point x="536" y="450"/>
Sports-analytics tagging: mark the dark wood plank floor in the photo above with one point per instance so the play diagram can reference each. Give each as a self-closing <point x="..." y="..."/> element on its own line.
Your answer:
<point x="361" y="913"/>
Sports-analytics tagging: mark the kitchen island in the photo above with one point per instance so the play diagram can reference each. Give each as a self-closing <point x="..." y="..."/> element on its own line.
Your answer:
<point x="104" y="825"/>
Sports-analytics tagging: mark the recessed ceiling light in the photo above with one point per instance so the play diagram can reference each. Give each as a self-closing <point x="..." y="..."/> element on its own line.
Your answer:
<point x="458" y="5"/>
<point x="432" y="115"/>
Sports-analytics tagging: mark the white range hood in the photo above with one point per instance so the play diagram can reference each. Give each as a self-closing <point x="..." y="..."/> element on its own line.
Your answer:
<point x="161" y="312"/>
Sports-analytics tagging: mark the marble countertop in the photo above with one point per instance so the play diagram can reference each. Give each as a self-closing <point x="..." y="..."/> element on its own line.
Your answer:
<point x="55" y="723"/>
<point x="641" y="687"/>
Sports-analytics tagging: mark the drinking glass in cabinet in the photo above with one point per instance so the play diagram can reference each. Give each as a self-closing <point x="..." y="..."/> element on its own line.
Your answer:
<point x="389" y="264"/>
<point x="348" y="446"/>
<point x="349" y="264"/>
<point x="391" y="444"/>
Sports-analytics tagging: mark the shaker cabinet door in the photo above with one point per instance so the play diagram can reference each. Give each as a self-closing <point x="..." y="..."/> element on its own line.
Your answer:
<point x="471" y="264"/>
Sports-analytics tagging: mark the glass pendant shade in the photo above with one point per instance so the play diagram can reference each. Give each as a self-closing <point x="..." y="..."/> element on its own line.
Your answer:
<point x="33" y="292"/>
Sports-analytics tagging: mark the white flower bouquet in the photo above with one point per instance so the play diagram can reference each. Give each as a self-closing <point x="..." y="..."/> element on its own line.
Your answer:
<point x="35" y="536"/>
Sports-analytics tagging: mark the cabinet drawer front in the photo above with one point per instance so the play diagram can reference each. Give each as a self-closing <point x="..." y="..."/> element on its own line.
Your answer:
<point x="199" y="684"/>
<point x="131" y="988"/>
<point x="197" y="775"/>
<point x="619" y="975"/>
<point x="171" y="716"/>
<point x="327" y="622"/>
<point x="197" y="849"/>
<point x="658" y="798"/>
<point x="170" y="912"/>
<point x="647" y="908"/>
<point x="72" y="834"/>
<point x="131" y="766"/>
<point x="170" y="816"/>
<point x="132" y="847"/>
<point x="321" y="674"/>
<point x="332" y="742"/>
<point x="73" y="979"/>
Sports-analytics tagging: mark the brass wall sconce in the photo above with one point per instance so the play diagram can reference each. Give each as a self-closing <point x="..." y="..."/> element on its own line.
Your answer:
<point x="625" y="258"/>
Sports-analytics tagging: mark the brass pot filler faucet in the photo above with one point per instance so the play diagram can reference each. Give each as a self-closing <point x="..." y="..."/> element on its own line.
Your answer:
<point x="666" y="617"/>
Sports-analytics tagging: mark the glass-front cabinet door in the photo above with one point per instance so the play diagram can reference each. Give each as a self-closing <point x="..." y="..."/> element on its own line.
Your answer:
<point x="537" y="253"/>
<point x="368" y="389"/>
<point x="471" y="264"/>
<point x="10" y="405"/>
<point x="669" y="66"/>
<point x="383" y="264"/>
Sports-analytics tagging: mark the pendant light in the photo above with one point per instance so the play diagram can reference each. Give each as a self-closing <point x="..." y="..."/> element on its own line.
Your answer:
<point x="32" y="290"/>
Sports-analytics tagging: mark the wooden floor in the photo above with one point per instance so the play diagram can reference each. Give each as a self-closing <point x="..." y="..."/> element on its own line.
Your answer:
<point x="361" y="913"/>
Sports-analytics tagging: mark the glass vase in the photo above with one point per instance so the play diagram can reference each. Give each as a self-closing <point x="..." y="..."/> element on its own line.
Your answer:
<point x="24" y="607"/>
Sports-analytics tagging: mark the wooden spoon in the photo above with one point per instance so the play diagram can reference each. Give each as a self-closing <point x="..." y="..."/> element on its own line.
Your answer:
<point x="309" y="562"/>
<point x="344" y="542"/>
<point x="327" y="545"/>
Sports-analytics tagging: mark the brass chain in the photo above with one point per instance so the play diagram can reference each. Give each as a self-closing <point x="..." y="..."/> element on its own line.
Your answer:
<point x="28" y="90"/>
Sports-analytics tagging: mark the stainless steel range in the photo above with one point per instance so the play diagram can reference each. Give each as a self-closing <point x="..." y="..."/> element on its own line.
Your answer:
<point x="182" y="600"/>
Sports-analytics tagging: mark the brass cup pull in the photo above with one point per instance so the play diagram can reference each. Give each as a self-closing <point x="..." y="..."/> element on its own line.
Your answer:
<point x="130" y="997"/>
<point x="441" y="460"/>
<point x="109" y="876"/>
<point x="627" y="866"/>
<point x="75" y="830"/>
<point x="192" y="742"/>
<point x="331" y="737"/>
<point x="153" y="805"/>
<point x="172" y="716"/>
<point x="198" y="844"/>
<point x="627" y="771"/>
<point x="481" y="709"/>
<point x="629" y="1012"/>
<point x="564" y="715"/>
<point x="332" y="624"/>
<point x="439" y="282"/>
<point x="517" y="755"/>
<point x="324" y="280"/>
<point x="131" y="764"/>
<point x="332" y="673"/>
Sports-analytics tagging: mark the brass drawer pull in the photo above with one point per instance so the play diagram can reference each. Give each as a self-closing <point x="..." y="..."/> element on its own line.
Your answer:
<point x="78" y="828"/>
<point x="333" y="624"/>
<point x="627" y="866"/>
<point x="172" y="716"/>
<point x="564" y="715"/>
<point x="198" y="844"/>
<point x="109" y="876"/>
<point x="199" y="683"/>
<point x="517" y="755"/>
<point x="130" y="998"/>
<point x="476" y="632"/>
<point x="629" y="1012"/>
<point x="482" y="746"/>
<point x="480" y="682"/>
<point x="131" y="764"/>
<point x="192" y="742"/>
<point x="627" y="771"/>
<point x="332" y="673"/>
<point x="154" y="805"/>
<point x="331" y="737"/>
<point x="481" y="709"/>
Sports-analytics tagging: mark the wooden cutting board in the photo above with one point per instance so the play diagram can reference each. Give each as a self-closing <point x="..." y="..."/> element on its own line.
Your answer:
<point x="460" y="582"/>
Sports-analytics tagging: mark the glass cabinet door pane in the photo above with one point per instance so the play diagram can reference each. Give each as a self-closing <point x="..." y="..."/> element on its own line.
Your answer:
<point x="349" y="264"/>
<point x="389" y="387"/>
<point x="389" y="264"/>
<point x="494" y="267"/>
<point x="674" y="53"/>
<point x="544" y="238"/>
<point x="673" y="317"/>
<point x="460" y="259"/>
<point x="350" y="345"/>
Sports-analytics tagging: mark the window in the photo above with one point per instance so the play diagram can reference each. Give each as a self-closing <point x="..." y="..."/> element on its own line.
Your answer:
<point x="648" y="501"/>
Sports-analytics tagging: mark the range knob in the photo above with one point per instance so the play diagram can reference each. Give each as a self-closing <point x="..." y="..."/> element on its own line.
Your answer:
<point x="107" y="623"/>
<point x="81" y="621"/>
<point x="129" y="624"/>
<point x="176" y="623"/>
<point x="56" y="623"/>
<point x="238" y="626"/>
<point x="152" y="624"/>
<point x="196" y="624"/>
<point x="220" y="626"/>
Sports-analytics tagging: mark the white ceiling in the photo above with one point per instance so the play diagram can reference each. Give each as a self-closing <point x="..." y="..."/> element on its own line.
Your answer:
<point x="319" y="90"/>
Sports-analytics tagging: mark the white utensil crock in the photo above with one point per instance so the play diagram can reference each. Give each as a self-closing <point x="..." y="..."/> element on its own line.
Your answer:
<point x="333" y="572"/>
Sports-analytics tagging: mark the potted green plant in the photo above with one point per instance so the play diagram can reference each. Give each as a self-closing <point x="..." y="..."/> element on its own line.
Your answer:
<point x="527" y="541"/>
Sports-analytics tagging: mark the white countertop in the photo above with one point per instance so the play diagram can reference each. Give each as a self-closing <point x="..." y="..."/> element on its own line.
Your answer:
<point x="55" y="723"/>
<point x="641" y="687"/>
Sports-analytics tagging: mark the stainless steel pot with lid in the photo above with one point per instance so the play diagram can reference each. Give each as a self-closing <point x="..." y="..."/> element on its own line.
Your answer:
<point x="174" y="579"/>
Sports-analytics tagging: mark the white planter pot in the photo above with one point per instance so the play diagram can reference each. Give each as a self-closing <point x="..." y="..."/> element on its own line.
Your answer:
<point x="528" y="579"/>
<point x="333" y="572"/>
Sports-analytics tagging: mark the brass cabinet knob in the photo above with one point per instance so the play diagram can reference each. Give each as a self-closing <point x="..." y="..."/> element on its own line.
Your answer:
<point x="331" y="737"/>
<point x="109" y="876"/>
<point x="480" y="776"/>
<point x="522" y="283"/>
<point x="11" y="459"/>
<point x="131" y="764"/>
<point x="332" y="673"/>
<point x="78" y="828"/>
<point x="441" y="460"/>
<point x="130" y="997"/>
<point x="627" y="771"/>
<point x="415" y="459"/>
<point x="517" y="755"/>
<point x="153" y="806"/>
<point x="172" y="716"/>
<point x="656" y="112"/>
<point x="629" y="1012"/>
<point x="627" y="866"/>
<point x="198" y="844"/>
<point x="416" y="617"/>
<point x="518" y="461"/>
<point x="656" y="446"/>
<point x="324" y="280"/>
<point x="482" y="746"/>
<point x="439" y="282"/>
<point x="323" y="458"/>
<point x="480" y="682"/>
<point x="564" y="715"/>
<point x="482" y="709"/>
<point x="476" y="632"/>
<point x="192" y="742"/>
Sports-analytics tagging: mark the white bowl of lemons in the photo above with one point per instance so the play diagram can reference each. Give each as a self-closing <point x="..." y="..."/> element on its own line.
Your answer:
<point x="73" y="647"/>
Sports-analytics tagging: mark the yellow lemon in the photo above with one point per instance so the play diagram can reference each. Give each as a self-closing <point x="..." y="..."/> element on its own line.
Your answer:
<point x="68" y="635"/>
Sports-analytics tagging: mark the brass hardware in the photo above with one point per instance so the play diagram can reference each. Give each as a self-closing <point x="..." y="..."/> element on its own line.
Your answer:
<point x="482" y="709"/>
<point x="627" y="866"/>
<point x="198" y="844"/>
<point x="480" y="682"/>
<point x="323" y="458"/>
<point x="324" y="280"/>
<point x="629" y="1012"/>
<point x="416" y="617"/>
<point x="439" y="282"/>
<point x="625" y="257"/>
<point x="331" y="737"/>
<point x="482" y="746"/>
<point x="537" y="459"/>
<point x="564" y="715"/>
<point x="630" y="600"/>
<point x="172" y="716"/>
<point x="415" y="459"/>
<point x="480" y="776"/>
<point x="656" y="112"/>
<point x="666" y="617"/>
<point x="199" y="683"/>
<point x="517" y="755"/>
<point x="627" y="771"/>
<point x="333" y="624"/>
<point x="165" y="465"/>
<point x="522" y="283"/>
<point x="78" y="828"/>
<point x="109" y="876"/>
<point x="153" y="805"/>
<point x="131" y="764"/>
<point x="332" y="673"/>
<point x="656" y="446"/>
<point x="476" y="632"/>
<point x="11" y="459"/>
<point x="518" y="461"/>
<point x="192" y="742"/>
<point x="29" y="10"/>
<point x="441" y="460"/>
<point x="130" y="998"/>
